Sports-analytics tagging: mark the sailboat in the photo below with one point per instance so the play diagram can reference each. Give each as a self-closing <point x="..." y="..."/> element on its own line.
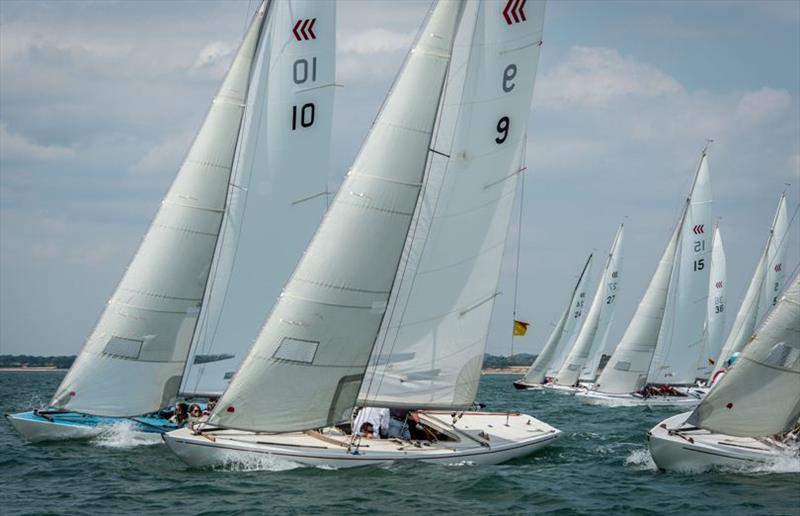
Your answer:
<point x="751" y="414"/>
<point x="417" y="228"/>
<point x="653" y="356"/>
<point x="562" y="335"/>
<point x="594" y="331"/>
<point x="765" y="285"/>
<point x="135" y="360"/>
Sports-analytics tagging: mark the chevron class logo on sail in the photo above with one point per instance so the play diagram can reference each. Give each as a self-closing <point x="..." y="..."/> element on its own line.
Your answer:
<point x="515" y="9"/>
<point x="304" y="29"/>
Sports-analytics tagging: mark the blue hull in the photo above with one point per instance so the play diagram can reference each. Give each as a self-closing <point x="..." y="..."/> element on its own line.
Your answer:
<point x="57" y="426"/>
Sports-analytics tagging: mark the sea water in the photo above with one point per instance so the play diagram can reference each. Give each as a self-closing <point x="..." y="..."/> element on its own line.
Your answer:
<point x="601" y="465"/>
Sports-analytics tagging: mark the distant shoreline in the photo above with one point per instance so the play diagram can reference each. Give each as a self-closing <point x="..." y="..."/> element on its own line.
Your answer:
<point x="505" y="370"/>
<point x="44" y="369"/>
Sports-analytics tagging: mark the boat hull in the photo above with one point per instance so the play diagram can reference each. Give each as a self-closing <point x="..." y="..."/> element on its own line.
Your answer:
<point x="697" y="450"/>
<point x="630" y="400"/>
<point x="222" y="448"/>
<point x="523" y="386"/>
<point x="561" y="389"/>
<point x="71" y="426"/>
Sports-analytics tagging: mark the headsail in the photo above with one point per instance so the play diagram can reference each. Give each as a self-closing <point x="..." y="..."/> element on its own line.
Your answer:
<point x="627" y="368"/>
<point x="431" y="348"/>
<point x="676" y="356"/>
<point x="279" y="193"/>
<point x="760" y="395"/>
<point x="595" y="328"/>
<point x="716" y="310"/>
<point x="306" y="366"/>
<point x="754" y="300"/>
<point x="559" y="336"/>
<point x="775" y="276"/>
<point x="132" y="362"/>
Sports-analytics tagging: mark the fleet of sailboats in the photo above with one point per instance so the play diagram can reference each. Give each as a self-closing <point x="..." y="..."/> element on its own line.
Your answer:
<point x="382" y="299"/>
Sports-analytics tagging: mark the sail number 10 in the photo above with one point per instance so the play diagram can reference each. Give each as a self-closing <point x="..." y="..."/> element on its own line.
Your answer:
<point x="302" y="72"/>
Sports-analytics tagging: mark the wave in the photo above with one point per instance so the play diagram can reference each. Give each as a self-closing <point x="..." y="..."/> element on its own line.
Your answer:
<point x="123" y="435"/>
<point x="640" y="460"/>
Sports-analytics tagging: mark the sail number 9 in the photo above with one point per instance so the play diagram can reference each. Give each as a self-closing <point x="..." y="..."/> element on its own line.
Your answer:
<point x="502" y="128"/>
<point x="504" y="123"/>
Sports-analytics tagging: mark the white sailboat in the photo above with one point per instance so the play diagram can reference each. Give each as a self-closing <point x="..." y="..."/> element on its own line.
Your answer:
<point x="761" y="294"/>
<point x="594" y="332"/>
<point x="716" y="314"/>
<point x="751" y="414"/>
<point x="567" y="327"/>
<point x="134" y="360"/>
<point x="312" y="361"/>
<point x="652" y="351"/>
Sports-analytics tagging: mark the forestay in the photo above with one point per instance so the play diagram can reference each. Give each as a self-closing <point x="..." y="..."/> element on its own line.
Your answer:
<point x="600" y="345"/>
<point x="306" y="366"/>
<point x="716" y="309"/>
<point x="430" y="352"/>
<point x="594" y="331"/>
<point x="133" y="360"/>
<point x="627" y="368"/>
<point x="747" y="316"/>
<point x="760" y="395"/>
<point x="675" y="360"/>
<point x="560" y="334"/>
<point x="278" y="195"/>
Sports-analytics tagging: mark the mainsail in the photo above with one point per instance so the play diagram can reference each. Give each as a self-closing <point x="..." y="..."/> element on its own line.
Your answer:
<point x="560" y="334"/>
<point x="279" y="193"/>
<point x="430" y="351"/>
<point x="676" y="357"/>
<point x="307" y="364"/>
<point x="595" y="328"/>
<point x="760" y="395"/>
<point x="716" y="309"/>
<point x="757" y="295"/>
<point x="132" y="362"/>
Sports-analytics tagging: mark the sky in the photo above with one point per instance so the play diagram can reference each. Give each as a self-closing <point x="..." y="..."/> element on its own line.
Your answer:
<point x="99" y="102"/>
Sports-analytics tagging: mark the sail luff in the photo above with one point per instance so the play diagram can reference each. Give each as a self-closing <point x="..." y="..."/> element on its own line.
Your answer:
<point x="307" y="365"/>
<point x="133" y="361"/>
<point x="571" y="369"/>
<point x="760" y="395"/>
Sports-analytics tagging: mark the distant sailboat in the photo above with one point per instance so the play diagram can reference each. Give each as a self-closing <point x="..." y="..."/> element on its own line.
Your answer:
<point x="651" y="351"/>
<point x="134" y="361"/>
<point x="762" y="292"/>
<point x="348" y="330"/>
<point x="594" y="332"/>
<point x="717" y="309"/>
<point x="751" y="414"/>
<point x="562" y="335"/>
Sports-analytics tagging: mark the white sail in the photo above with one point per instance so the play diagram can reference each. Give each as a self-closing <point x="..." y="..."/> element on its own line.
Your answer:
<point x="601" y="346"/>
<point x="132" y="362"/>
<point x="574" y="322"/>
<point x="716" y="310"/>
<point x="747" y="316"/>
<point x="279" y="187"/>
<point x="675" y="360"/>
<point x="760" y="395"/>
<point x="594" y="331"/>
<point x="431" y="348"/>
<point x="626" y="370"/>
<point x="538" y="370"/>
<point x="306" y="366"/>
<point x="774" y="276"/>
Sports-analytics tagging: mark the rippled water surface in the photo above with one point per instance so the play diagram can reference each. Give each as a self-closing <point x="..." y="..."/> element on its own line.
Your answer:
<point x="601" y="464"/>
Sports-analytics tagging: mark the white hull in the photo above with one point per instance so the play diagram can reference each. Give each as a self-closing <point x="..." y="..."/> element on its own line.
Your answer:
<point x="698" y="450"/>
<point x="561" y="389"/>
<point x="630" y="400"/>
<point x="41" y="431"/>
<point x="509" y="436"/>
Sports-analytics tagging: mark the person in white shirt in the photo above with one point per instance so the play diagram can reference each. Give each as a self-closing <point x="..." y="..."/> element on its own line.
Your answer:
<point x="378" y="417"/>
